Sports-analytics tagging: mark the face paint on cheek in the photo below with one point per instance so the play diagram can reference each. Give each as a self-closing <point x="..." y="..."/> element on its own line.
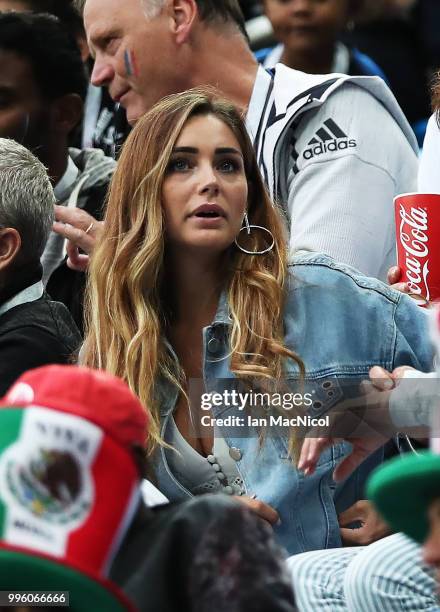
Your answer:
<point x="131" y="67"/>
<point x="128" y="65"/>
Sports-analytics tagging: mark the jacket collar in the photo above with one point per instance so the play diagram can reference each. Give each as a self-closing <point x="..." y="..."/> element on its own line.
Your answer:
<point x="23" y="277"/>
<point x="30" y="294"/>
<point x="222" y="316"/>
<point x="293" y="87"/>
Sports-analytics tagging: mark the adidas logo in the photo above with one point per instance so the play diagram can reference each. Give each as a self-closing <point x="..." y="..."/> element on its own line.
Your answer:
<point x="329" y="137"/>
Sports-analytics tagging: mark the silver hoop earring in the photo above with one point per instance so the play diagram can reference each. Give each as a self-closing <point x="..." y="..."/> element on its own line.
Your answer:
<point x="248" y="228"/>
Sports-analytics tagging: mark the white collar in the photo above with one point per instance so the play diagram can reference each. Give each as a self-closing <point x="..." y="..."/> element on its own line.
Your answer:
<point x="64" y="186"/>
<point x="341" y="59"/>
<point x="30" y="294"/>
<point x="257" y="101"/>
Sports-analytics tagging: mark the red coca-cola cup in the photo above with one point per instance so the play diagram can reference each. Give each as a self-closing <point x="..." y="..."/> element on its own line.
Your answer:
<point x="418" y="243"/>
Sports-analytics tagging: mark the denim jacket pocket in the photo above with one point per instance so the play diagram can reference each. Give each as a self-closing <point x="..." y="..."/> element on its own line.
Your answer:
<point x="325" y="393"/>
<point x="322" y="396"/>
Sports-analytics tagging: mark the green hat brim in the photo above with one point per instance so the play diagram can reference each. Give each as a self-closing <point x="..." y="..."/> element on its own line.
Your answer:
<point x="403" y="489"/>
<point x="26" y="571"/>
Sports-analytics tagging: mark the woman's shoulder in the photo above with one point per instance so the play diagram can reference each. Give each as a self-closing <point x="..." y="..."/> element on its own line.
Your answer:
<point x="317" y="270"/>
<point x="360" y="321"/>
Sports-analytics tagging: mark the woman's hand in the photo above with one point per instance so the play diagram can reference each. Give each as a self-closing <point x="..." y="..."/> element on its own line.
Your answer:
<point x="372" y="528"/>
<point x="263" y="510"/>
<point x="81" y="231"/>
<point x="376" y="426"/>
<point x="362" y="447"/>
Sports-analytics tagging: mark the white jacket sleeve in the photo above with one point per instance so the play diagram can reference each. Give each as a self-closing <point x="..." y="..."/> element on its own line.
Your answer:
<point x="414" y="399"/>
<point x="352" y="159"/>
<point x="429" y="171"/>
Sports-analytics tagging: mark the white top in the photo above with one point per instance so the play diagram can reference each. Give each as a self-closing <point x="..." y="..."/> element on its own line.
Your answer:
<point x="429" y="170"/>
<point x="340" y="166"/>
<point x="213" y="474"/>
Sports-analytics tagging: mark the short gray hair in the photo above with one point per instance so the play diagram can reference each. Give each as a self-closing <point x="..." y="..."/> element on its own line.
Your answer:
<point x="151" y="8"/>
<point x="26" y="198"/>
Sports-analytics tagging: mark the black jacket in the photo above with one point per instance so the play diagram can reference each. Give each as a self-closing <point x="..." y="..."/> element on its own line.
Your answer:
<point x="35" y="334"/>
<point x="208" y="554"/>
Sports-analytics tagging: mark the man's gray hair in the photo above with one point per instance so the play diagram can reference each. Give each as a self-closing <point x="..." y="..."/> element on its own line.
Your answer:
<point x="210" y="11"/>
<point x="26" y="198"/>
<point x="151" y="8"/>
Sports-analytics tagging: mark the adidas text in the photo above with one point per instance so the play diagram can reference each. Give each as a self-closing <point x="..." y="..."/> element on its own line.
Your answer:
<point x="332" y="145"/>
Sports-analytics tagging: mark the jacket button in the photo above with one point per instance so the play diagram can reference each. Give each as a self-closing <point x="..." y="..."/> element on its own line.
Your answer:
<point x="235" y="453"/>
<point x="214" y="346"/>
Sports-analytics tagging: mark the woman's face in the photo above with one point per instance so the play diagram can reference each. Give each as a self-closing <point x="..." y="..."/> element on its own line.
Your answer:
<point x="205" y="190"/>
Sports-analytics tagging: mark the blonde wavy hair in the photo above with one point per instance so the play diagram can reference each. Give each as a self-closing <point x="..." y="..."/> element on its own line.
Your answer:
<point x="126" y="321"/>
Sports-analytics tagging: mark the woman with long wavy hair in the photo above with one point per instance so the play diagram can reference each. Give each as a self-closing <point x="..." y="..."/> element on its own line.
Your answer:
<point x="190" y="281"/>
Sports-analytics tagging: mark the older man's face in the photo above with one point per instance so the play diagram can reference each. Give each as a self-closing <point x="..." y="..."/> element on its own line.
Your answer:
<point x="431" y="548"/>
<point x="136" y="57"/>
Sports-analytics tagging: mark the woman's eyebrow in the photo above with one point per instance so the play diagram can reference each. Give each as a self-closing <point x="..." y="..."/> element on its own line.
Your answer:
<point x="228" y="150"/>
<point x="185" y="150"/>
<point x="219" y="151"/>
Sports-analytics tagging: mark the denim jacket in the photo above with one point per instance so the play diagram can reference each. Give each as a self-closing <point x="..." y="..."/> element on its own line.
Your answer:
<point x="341" y="324"/>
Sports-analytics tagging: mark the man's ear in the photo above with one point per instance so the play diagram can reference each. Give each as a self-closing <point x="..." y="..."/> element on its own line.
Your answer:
<point x="67" y="113"/>
<point x="10" y="245"/>
<point x="184" y="13"/>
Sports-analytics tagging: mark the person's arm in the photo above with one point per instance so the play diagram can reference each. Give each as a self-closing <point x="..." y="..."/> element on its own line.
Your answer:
<point x="340" y="202"/>
<point x="412" y="347"/>
<point x="411" y="402"/>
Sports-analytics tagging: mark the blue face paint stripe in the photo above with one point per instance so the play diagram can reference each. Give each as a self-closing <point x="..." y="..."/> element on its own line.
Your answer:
<point x="128" y="65"/>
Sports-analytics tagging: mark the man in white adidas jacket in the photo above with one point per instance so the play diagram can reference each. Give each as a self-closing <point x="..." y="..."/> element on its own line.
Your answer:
<point x="333" y="149"/>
